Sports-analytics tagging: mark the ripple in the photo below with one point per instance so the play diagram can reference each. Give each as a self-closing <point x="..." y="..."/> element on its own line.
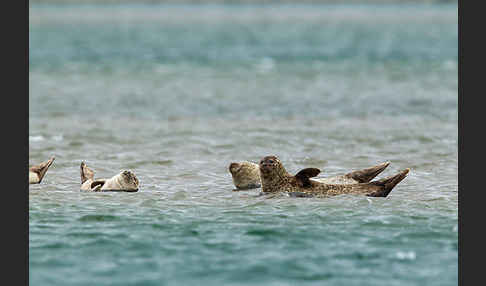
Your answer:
<point x="36" y="138"/>
<point x="316" y="91"/>
<point x="407" y="255"/>
<point x="263" y="232"/>
<point x="55" y="245"/>
<point x="87" y="218"/>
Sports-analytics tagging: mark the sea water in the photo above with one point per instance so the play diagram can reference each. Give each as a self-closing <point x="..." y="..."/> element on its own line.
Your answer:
<point x="176" y="93"/>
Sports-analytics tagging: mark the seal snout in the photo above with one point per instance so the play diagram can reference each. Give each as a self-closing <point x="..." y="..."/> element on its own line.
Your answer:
<point x="266" y="167"/>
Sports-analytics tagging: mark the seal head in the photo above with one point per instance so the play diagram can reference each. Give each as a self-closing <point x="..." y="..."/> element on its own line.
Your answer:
<point x="271" y="166"/>
<point x="129" y="181"/>
<point x="125" y="181"/>
<point x="273" y="174"/>
<point x="246" y="175"/>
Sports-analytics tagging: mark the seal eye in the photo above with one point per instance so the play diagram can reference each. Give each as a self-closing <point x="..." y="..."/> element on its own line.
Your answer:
<point x="270" y="161"/>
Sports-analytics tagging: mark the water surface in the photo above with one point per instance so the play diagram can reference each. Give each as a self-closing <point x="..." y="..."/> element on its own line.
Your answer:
<point x="177" y="92"/>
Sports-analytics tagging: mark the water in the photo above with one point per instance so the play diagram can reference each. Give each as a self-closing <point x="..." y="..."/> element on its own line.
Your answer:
<point x="177" y="92"/>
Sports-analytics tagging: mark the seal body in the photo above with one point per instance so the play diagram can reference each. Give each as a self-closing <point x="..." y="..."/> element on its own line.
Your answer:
<point x="37" y="172"/>
<point x="246" y="175"/>
<point x="276" y="179"/>
<point x="125" y="181"/>
<point x="33" y="178"/>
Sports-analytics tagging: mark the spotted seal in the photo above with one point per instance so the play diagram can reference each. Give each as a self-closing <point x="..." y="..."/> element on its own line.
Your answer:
<point x="275" y="179"/>
<point x="246" y="175"/>
<point x="125" y="181"/>
<point x="37" y="172"/>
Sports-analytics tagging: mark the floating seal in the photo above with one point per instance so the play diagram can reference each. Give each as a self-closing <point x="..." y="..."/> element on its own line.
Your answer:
<point x="37" y="172"/>
<point x="125" y="181"/>
<point x="246" y="175"/>
<point x="276" y="179"/>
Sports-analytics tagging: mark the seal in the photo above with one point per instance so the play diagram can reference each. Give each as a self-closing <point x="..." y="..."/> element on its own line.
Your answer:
<point x="246" y="175"/>
<point x="37" y="172"/>
<point x="276" y="179"/>
<point x="125" y="181"/>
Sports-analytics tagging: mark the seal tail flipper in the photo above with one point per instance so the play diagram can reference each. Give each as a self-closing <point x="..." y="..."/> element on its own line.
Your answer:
<point x="42" y="168"/>
<point x="387" y="184"/>
<point x="366" y="175"/>
<point x="86" y="173"/>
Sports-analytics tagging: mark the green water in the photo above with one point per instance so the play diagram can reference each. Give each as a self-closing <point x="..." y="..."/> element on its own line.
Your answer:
<point x="176" y="93"/>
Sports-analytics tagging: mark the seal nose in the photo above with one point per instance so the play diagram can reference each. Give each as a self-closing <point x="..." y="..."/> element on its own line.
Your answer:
<point x="265" y="165"/>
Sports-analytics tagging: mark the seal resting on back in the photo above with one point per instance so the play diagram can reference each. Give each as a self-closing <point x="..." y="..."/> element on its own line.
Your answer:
<point x="37" y="172"/>
<point x="276" y="179"/>
<point x="246" y="175"/>
<point x="125" y="181"/>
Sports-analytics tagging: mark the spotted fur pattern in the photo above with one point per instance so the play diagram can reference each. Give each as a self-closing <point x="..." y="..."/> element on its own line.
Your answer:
<point x="276" y="179"/>
<point x="246" y="175"/>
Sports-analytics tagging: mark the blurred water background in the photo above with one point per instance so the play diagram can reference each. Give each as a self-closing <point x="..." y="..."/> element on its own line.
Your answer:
<point x="175" y="92"/>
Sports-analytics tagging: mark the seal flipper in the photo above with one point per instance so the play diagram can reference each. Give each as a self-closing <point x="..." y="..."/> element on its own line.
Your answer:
<point x="86" y="173"/>
<point x="366" y="175"/>
<point x="388" y="184"/>
<point x="304" y="175"/>
<point x="42" y="168"/>
<point x="97" y="188"/>
<point x="96" y="185"/>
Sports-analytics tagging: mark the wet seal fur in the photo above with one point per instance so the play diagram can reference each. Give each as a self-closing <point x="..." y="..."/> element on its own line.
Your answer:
<point x="275" y="179"/>
<point x="125" y="181"/>
<point x="37" y="172"/>
<point x="246" y="175"/>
